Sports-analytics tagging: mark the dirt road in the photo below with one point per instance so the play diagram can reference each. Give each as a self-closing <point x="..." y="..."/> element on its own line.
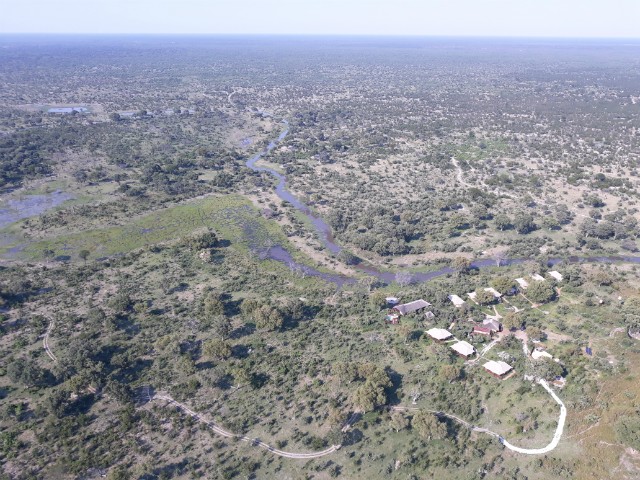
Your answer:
<point x="252" y="441"/>
<point x="527" y="451"/>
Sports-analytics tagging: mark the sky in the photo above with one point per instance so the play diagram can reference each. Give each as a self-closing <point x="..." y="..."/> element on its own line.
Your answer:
<point x="494" y="18"/>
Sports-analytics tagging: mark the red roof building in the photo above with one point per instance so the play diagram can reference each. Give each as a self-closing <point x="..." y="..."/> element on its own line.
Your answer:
<point x="480" y="330"/>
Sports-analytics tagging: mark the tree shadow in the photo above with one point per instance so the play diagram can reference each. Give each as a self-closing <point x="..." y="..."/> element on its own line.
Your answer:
<point x="258" y="380"/>
<point x="243" y="331"/>
<point x="225" y="382"/>
<point x="81" y="405"/>
<point x="352" y="437"/>
<point x="396" y="383"/>
<point x="143" y="395"/>
<point x="240" y="351"/>
<point x="232" y="308"/>
<point x="177" y="469"/>
<point x="181" y="287"/>
<point x="126" y="324"/>
<point x="132" y="372"/>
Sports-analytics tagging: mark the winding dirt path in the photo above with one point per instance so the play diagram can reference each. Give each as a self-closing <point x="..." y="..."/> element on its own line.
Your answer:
<point x="252" y="441"/>
<point x="459" y="173"/>
<point x="461" y="180"/>
<point x="45" y="340"/>
<point x="483" y="351"/>
<point x="527" y="451"/>
<point x="213" y="426"/>
<point x="256" y="442"/>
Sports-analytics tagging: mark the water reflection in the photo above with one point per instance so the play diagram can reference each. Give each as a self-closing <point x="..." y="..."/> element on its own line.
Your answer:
<point x="281" y="255"/>
<point x="30" y="206"/>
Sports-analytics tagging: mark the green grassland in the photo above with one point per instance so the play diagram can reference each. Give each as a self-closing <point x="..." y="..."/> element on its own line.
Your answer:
<point x="232" y="217"/>
<point x="296" y="390"/>
<point x="479" y="151"/>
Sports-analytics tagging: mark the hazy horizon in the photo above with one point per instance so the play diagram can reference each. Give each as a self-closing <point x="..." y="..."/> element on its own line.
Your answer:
<point x="614" y="19"/>
<point x="316" y="35"/>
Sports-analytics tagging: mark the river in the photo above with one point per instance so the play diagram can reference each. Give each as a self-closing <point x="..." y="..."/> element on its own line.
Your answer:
<point x="324" y="231"/>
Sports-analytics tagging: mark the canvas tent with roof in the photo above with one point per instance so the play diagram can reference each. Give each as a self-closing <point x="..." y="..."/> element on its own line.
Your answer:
<point x="557" y="276"/>
<point x="464" y="349"/>
<point x="482" y="330"/>
<point x="498" y="369"/>
<point x="456" y="300"/>
<point x="411" y="307"/>
<point x="439" y="334"/>
<point x="493" y="324"/>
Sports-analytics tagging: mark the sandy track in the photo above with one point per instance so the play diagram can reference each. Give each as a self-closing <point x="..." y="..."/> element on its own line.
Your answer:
<point x="527" y="451"/>
<point x="255" y="442"/>
<point x="45" y="340"/>
<point x="252" y="441"/>
<point x="216" y="428"/>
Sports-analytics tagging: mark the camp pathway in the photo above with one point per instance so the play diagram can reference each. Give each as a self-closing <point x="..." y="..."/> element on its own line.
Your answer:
<point x="526" y="451"/>
<point x="556" y="436"/>
<point x="482" y="352"/>
<point x="215" y="427"/>
<point x="45" y="340"/>
<point x="252" y="441"/>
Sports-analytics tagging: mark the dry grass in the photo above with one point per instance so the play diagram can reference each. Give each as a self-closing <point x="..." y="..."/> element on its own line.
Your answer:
<point x="602" y="454"/>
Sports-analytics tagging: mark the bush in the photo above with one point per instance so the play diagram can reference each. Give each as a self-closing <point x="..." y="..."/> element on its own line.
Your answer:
<point x="628" y="430"/>
<point x="540" y="292"/>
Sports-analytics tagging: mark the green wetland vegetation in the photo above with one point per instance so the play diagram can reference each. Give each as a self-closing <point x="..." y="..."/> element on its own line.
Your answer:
<point x="147" y="324"/>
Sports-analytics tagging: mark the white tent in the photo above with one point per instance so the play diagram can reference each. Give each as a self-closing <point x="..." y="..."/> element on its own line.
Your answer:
<point x="556" y="275"/>
<point x="439" y="333"/>
<point x="498" y="368"/>
<point x="463" y="348"/>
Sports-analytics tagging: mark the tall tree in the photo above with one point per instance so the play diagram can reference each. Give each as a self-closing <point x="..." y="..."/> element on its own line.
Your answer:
<point x="268" y="318"/>
<point x="503" y="284"/>
<point x="502" y="222"/>
<point x="540" y="292"/>
<point x="429" y="426"/>
<point x="213" y="305"/>
<point x="221" y="326"/>
<point x="461" y="265"/>
<point x="398" y="421"/>
<point x="217" y="348"/>
<point x="524" y="223"/>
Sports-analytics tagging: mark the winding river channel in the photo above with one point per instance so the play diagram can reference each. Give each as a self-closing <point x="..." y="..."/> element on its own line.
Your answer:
<point x="324" y="231"/>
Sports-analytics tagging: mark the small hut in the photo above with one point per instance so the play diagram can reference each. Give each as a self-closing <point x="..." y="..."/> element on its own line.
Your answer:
<point x="456" y="300"/>
<point x="498" y="369"/>
<point x="439" y="334"/>
<point x="557" y="276"/>
<point x="481" y="330"/>
<point x="411" y="307"/>
<point x="463" y="349"/>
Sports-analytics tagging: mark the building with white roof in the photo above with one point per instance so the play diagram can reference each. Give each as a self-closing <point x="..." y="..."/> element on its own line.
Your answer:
<point x="456" y="300"/>
<point x="539" y="353"/>
<point x="411" y="307"/>
<point x="556" y="275"/>
<point x="498" y="369"/>
<point x="522" y="282"/>
<point x="493" y="292"/>
<point x="439" y="334"/>
<point x="492" y="323"/>
<point x="537" y="277"/>
<point x="464" y="349"/>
